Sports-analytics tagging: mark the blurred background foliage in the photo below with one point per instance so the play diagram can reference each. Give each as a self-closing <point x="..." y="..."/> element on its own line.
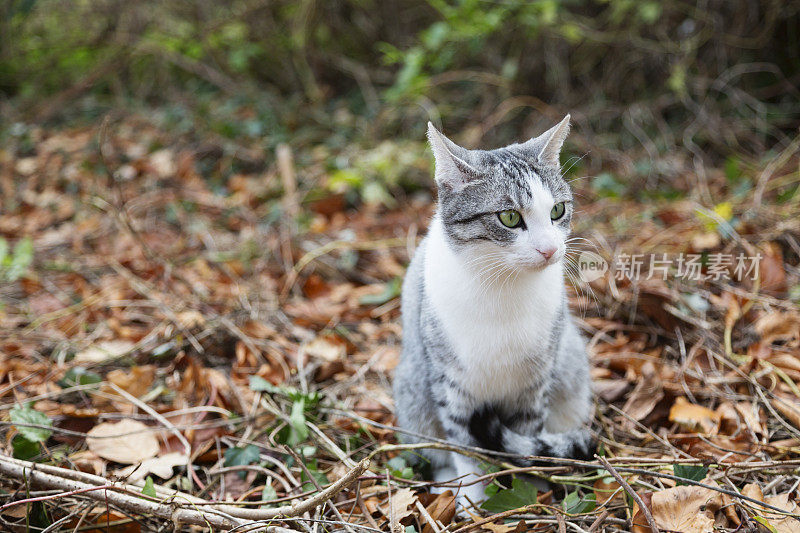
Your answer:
<point x="656" y="89"/>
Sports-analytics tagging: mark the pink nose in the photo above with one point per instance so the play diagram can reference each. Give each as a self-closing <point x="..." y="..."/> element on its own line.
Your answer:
<point x="547" y="252"/>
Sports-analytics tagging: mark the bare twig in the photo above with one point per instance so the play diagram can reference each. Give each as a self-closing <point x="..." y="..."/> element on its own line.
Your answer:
<point x="633" y="494"/>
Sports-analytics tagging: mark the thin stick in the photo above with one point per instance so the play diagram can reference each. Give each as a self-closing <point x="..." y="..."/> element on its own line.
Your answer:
<point x="62" y="478"/>
<point x="316" y="484"/>
<point x="624" y="484"/>
<point x="497" y="516"/>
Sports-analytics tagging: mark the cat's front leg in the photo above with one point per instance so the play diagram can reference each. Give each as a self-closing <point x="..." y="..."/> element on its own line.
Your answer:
<point x="472" y="490"/>
<point x="471" y="427"/>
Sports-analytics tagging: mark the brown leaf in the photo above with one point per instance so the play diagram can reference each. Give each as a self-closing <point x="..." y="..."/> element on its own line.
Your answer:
<point x="693" y="416"/>
<point x="442" y="509"/>
<point x="771" y="270"/>
<point x="780" y="326"/>
<point x="646" y="395"/>
<point x="127" y="441"/>
<point x="326" y="348"/>
<point x="686" y="509"/>
<point x="781" y="523"/>
<point x="135" y="380"/>
<point x="789" y="407"/>
<point x="606" y="489"/>
<point x="402" y="505"/>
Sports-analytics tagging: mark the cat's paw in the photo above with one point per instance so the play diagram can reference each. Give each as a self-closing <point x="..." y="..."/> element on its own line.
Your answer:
<point x="469" y="498"/>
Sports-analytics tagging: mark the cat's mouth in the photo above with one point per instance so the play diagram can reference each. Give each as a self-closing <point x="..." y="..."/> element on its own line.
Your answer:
<point x="541" y="263"/>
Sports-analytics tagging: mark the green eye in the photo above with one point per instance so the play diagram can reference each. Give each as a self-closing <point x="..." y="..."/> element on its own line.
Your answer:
<point x="557" y="211"/>
<point x="510" y="218"/>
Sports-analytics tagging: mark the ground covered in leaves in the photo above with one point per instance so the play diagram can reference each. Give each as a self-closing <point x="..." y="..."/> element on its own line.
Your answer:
<point x="180" y="351"/>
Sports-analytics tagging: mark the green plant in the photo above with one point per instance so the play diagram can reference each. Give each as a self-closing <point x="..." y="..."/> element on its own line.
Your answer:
<point x="15" y="265"/>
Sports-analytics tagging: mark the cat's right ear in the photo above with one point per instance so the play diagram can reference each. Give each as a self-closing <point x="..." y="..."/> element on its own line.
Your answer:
<point x="452" y="169"/>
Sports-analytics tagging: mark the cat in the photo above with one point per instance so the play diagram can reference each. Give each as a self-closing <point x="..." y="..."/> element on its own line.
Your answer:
<point x="491" y="357"/>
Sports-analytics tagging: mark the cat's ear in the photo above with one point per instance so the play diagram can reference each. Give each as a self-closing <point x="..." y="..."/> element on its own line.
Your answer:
<point x="546" y="148"/>
<point x="452" y="168"/>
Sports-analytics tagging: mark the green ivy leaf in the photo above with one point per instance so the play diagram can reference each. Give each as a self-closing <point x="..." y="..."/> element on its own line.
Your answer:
<point x="23" y="448"/>
<point x="149" y="488"/>
<point x="297" y="421"/>
<point x="520" y="494"/>
<point x="574" y="503"/>
<point x="690" y="472"/>
<point x="268" y="494"/>
<point x="27" y="415"/>
<point x="399" y="468"/>
<point x="259" y="384"/>
<point x="79" y="376"/>
<point x="320" y="478"/>
<point x="241" y="456"/>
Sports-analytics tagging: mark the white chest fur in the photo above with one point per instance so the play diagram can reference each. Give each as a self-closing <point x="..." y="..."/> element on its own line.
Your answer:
<point x="500" y="329"/>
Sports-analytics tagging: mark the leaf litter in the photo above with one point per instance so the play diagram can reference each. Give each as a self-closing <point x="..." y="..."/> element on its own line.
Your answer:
<point x="239" y="331"/>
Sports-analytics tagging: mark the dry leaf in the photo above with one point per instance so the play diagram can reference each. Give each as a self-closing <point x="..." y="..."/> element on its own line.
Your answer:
<point x="441" y="509"/>
<point x="606" y="489"/>
<point x="693" y="416"/>
<point x="326" y="349"/>
<point x="686" y="509"/>
<point x="789" y="408"/>
<point x="778" y="326"/>
<point x="135" y="442"/>
<point x="648" y="392"/>
<point x="158" y="466"/>
<point x="781" y="523"/>
<point x="135" y="380"/>
<point x="402" y="505"/>
<point x="103" y="351"/>
<point x="497" y="528"/>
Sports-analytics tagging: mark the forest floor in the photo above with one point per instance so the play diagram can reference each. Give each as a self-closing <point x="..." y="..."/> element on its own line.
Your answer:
<point x="178" y="351"/>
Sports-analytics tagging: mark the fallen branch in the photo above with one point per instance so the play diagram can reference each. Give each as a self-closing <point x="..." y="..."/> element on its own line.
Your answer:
<point x="624" y="484"/>
<point x="175" y="506"/>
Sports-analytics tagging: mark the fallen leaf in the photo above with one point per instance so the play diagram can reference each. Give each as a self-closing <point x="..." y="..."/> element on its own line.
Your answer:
<point x="126" y="442"/>
<point x="606" y="489"/>
<point x="441" y="509"/>
<point x="135" y="380"/>
<point x="771" y="269"/>
<point x="782" y="326"/>
<point x="780" y="523"/>
<point x="325" y="348"/>
<point x="159" y="466"/>
<point x="687" y="509"/>
<point x="646" y="395"/>
<point x="402" y="505"/>
<point x="693" y="416"/>
<point x="103" y="351"/>
<point x="789" y="408"/>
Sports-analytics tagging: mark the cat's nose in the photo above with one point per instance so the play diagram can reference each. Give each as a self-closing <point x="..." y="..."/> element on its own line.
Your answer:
<point x="547" y="251"/>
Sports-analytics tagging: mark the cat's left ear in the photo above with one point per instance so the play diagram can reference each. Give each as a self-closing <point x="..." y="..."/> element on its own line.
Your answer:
<point x="546" y="148"/>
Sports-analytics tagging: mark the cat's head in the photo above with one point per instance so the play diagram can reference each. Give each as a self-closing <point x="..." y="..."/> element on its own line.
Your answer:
<point x="508" y="206"/>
